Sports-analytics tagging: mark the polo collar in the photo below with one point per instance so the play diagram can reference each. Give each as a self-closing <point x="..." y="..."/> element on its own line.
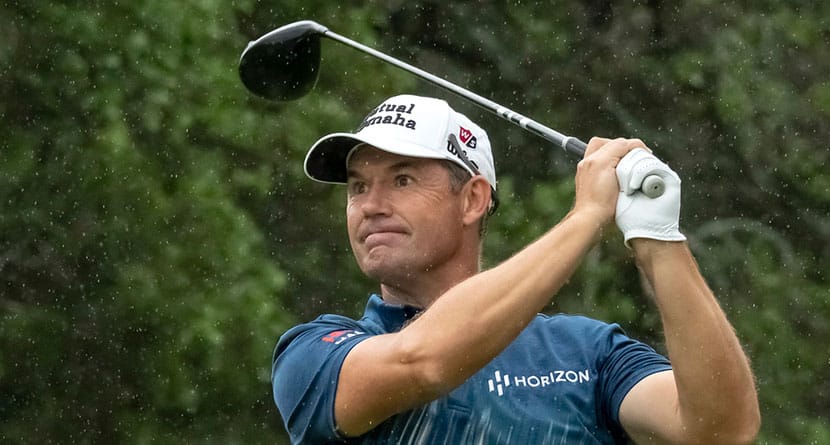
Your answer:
<point x="392" y="317"/>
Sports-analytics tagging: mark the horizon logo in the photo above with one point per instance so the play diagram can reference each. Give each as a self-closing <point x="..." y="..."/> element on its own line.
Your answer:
<point x="500" y="382"/>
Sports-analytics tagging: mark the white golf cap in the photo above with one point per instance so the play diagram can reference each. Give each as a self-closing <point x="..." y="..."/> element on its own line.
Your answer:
<point x="407" y="125"/>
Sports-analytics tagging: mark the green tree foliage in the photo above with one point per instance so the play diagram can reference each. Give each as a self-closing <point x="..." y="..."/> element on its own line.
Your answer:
<point x="157" y="232"/>
<point x="139" y="300"/>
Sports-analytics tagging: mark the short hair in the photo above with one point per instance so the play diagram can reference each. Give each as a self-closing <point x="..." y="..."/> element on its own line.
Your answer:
<point x="460" y="176"/>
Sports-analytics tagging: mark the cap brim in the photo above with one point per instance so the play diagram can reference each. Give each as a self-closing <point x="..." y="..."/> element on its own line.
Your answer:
<point x="327" y="158"/>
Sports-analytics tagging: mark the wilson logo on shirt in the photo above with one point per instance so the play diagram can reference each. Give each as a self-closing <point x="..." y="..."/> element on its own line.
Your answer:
<point x="338" y="337"/>
<point x="501" y="382"/>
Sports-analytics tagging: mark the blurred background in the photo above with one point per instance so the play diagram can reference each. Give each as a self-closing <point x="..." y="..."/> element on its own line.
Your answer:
<point x="157" y="233"/>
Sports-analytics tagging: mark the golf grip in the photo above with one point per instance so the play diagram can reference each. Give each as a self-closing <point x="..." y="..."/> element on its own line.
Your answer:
<point x="653" y="186"/>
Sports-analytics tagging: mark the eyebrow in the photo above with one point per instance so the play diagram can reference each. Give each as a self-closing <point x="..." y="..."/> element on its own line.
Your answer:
<point x="407" y="163"/>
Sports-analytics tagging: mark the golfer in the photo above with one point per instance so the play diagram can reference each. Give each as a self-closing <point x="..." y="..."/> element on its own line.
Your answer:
<point x="448" y="354"/>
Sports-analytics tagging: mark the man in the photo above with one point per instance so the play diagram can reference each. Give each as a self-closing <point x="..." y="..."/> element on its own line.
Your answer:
<point x="449" y="354"/>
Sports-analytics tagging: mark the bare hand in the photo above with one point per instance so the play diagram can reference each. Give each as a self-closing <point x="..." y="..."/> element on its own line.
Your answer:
<point x="597" y="186"/>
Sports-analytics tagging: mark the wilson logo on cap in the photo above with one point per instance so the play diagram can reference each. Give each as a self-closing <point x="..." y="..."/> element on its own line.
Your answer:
<point x="467" y="137"/>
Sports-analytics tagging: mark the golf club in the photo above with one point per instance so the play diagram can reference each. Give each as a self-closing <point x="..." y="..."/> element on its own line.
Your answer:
<point x="283" y="65"/>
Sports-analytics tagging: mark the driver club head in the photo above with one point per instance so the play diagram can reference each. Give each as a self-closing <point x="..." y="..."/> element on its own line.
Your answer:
<point x="284" y="64"/>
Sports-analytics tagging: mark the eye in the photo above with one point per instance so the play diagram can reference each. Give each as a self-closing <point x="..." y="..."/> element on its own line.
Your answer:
<point x="402" y="180"/>
<point x="356" y="187"/>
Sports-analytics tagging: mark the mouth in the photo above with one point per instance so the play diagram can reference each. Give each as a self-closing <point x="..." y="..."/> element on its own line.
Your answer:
<point x="381" y="235"/>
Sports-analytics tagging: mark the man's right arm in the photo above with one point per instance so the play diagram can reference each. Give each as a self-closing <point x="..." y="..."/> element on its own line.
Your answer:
<point x="475" y="320"/>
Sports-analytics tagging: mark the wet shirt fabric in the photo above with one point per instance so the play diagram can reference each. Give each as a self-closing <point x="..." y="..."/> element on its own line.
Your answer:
<point x="560" y="382"/>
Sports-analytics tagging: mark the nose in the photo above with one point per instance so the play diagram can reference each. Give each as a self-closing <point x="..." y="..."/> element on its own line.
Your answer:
<point x="375" y="201"/>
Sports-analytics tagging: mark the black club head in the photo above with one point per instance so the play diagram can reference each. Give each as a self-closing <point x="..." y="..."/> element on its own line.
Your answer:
<point x="284" y="64"/>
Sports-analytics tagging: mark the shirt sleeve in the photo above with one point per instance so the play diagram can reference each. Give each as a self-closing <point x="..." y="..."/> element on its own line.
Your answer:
<point x="627" y="362"/>
<point x="304" y="377"/>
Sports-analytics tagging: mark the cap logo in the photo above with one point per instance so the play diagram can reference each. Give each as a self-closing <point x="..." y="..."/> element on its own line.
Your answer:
<point x="467" y="137"/>
<point x="406" y="125"/>
<point x="454" y="149"/>
<point x="374" y="117"/>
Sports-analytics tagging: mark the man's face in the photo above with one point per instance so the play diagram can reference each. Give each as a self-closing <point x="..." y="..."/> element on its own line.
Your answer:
<point x="403" y="218"/>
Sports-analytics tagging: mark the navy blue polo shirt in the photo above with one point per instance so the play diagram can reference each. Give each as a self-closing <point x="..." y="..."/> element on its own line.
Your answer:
<point x="561" y="381"/>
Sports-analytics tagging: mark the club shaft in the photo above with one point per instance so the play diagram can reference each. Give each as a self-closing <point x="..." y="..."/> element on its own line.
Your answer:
<point x="568" y="143"/>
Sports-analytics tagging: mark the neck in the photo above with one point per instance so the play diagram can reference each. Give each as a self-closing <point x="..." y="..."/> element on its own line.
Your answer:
<point x="422" y="289"/>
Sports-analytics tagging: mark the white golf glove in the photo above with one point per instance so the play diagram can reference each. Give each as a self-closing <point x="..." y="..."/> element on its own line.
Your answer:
<point x="639" y="216"/>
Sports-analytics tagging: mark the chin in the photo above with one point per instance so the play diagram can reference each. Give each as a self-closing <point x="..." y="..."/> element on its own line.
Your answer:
<point x="379" y="272"/>
<point x="384" y="270"/>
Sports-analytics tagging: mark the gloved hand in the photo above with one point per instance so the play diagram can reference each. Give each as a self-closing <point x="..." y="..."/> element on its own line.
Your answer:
<point x="639" y="216"/>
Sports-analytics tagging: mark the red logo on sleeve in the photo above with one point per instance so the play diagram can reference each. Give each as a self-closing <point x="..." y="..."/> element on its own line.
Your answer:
<point x="333" y="336"/>
<point x="338" y="337"/>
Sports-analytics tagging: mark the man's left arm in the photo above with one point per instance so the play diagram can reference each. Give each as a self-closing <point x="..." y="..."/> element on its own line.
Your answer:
<point x="709" y="397"/>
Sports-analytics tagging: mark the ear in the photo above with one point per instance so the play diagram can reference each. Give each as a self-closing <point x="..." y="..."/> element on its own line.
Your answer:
<point x="476" y="199"/>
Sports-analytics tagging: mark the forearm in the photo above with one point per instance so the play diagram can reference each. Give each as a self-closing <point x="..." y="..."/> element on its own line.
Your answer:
<point x="716" y="391"/>
<point x="475" y="320"/>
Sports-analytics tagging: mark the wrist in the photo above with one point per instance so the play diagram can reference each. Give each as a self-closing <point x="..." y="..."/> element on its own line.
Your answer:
<point x="647" y="250"/>
<point x="593" y="218"/>
<point x="597" y="215"/>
